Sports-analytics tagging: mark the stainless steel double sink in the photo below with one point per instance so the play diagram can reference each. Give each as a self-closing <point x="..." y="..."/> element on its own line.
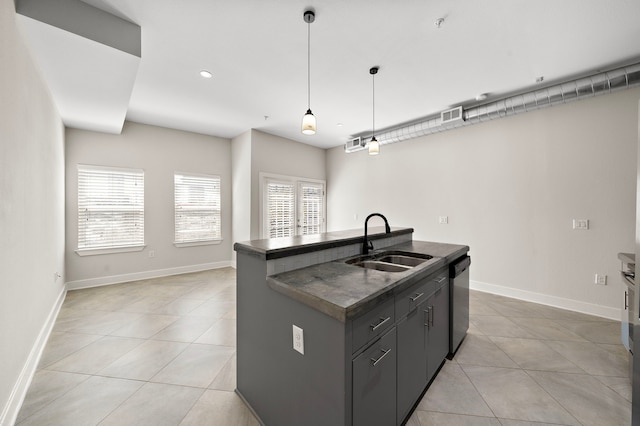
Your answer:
<point x="390" y="261"/>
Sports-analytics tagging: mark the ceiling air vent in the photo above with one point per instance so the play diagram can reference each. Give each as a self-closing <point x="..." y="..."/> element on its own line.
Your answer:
<point x="356" y="144"/>
<point x="451" y="115"/>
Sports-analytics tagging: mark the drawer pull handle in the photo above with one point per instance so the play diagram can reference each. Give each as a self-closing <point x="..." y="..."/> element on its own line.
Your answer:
<point x="440" y="280"/>
<point x="382" y="321"/>
<point x="386" y="352"/>
<point x="416" y="297"/>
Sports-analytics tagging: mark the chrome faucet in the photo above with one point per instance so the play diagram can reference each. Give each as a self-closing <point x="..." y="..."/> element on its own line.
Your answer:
<point x="368" y="245"/>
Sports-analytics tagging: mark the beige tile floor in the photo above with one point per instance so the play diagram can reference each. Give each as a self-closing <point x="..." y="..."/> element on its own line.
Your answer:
<point x="162" y="352"/>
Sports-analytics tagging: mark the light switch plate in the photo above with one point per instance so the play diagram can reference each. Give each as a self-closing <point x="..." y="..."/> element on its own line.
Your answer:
<point x="298" y="339"/>
<point x="581" y="224"/>
<point x="601" y="279"/>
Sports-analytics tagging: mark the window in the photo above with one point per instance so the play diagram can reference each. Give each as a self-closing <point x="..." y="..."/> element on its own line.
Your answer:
<point x="292" y="206"/>
<point x="197" y="209"/>
<point x="110" y="209"/>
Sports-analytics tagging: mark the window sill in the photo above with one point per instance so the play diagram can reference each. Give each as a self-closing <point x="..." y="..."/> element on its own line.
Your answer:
<point x="110" y="250"/>
<point x="198" y="243"/>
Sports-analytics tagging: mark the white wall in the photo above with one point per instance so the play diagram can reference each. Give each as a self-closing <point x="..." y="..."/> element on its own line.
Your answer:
<point x="31" y="214"/>
<point x="159" y="152"/>
<point x="276" y="155"/>
<point x="511" y="188"/>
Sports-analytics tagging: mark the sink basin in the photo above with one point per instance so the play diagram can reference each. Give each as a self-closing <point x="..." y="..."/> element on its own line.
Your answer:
<point x="399" y="259"/>
<point x="390" y="261"/>
<point x="381" y="266"/>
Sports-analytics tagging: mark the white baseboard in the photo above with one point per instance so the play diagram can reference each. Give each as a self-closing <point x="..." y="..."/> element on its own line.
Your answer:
<point x="156" y="273"/>
<point x="544" y="299"/>
<point x="12" y="408"/>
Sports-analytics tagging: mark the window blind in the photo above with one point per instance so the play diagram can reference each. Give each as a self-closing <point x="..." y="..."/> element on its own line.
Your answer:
<point x="280" y="209"/>
<point x="311" y="207"/>
<point x="110" y="207"/>
<point x="197" y="208"/>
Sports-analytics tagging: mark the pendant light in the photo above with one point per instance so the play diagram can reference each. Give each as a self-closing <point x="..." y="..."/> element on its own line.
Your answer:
<point x="309" y="120"/>
<point x="374" y="145"/>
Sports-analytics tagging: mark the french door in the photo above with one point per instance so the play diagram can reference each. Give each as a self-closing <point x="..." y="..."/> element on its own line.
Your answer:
<point x="292" y="207"/>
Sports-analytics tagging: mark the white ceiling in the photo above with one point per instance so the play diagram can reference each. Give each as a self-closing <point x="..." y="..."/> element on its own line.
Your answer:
<point x="257" y="52"/>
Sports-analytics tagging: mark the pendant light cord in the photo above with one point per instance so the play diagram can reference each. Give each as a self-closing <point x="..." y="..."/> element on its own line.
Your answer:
<point x="308" y="65"/>
<point x="374" y="145"/>
<point x="373" y="85"/>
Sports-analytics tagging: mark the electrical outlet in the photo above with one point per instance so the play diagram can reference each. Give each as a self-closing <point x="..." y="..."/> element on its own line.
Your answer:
<point x="443" y="220"/>
<point x="581" y="224"/>
<point x="152" y="253"/>
<point x="601" y="279"/>
<point x="298" y="339"/>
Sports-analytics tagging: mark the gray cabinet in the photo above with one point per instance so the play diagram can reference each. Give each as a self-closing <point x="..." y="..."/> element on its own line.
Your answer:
<point x="374" y="383"/>
<point x="369" y="367"/>
<point x="373" y="324"/>
<point x="423" y="338"/>
<point x="412" y="362"/>
<point x="437" y="338"/>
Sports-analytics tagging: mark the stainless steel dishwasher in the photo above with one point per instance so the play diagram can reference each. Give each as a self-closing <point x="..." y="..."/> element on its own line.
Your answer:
<point x="459" y="303"/>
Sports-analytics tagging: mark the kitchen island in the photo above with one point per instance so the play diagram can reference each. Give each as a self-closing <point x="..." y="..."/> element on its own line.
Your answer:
<point x="323" y="341"/>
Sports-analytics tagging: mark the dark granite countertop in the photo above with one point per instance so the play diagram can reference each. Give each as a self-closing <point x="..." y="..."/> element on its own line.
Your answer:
<point x="345" y="291"/>
<point x="275" y="248"/>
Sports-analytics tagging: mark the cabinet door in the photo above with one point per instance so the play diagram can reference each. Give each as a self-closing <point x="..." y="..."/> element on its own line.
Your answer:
<point x="412" y="360"/>
<point x="438" y="336"/>
<point x="374" y="383"/>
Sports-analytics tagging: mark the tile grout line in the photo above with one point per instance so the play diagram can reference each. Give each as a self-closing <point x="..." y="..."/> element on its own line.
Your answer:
<point x="58" y="397"/>
<point x="552" y="397"/>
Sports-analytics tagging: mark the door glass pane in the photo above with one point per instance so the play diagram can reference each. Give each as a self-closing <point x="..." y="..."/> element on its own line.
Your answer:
<point x="280" y="209"/>
<point x="311" y="208"/>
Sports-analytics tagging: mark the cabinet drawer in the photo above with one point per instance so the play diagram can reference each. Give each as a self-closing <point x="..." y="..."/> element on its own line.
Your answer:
<point x="409" y="299"/>
<point x="438" y="280"/>
<point x="373" y="324"/>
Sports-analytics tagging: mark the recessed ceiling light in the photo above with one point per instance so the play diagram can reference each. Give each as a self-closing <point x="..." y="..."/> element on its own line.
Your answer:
<point x="339" y="124"/>
<point x="205" y="74"/>
<point x="481" y="97"/>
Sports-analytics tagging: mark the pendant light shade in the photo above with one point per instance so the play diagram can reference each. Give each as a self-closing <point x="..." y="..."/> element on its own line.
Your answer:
<point x="309" y="120"/>
<point x="309" y="123"/>
<point x="374" y="145"/>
